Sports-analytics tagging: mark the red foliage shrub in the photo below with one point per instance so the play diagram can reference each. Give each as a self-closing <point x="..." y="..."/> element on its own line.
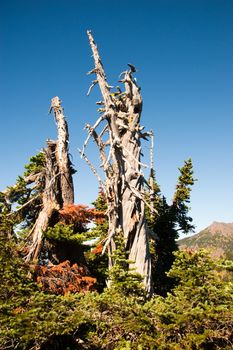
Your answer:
<point x="18" y="310"/>
<point x="64" y="278"/>
<point x="73" y="213"/>
<point x="98" y="249"/>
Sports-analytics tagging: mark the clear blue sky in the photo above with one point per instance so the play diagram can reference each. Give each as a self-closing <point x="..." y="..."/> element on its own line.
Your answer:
<point x="183" y="51"/>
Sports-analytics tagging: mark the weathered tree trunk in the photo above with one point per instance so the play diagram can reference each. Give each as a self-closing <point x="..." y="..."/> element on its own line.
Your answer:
<point x="50" y="202"/>
<point x="62" y="154"/>
<point x="122" y="165"/>
<point x="57" y="179"/>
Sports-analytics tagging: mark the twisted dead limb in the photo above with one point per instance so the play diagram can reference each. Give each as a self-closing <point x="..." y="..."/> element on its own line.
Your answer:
<point x="50" y="203"/>
<point x="62" y="153"/>
<point x="122" y="166"/>
<point x="57" y="178"/>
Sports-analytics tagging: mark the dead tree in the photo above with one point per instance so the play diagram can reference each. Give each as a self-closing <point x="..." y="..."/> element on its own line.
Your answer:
<point x="56" y="178"/>
<point x="121" y="161"/>
<point x="62" y="154"/>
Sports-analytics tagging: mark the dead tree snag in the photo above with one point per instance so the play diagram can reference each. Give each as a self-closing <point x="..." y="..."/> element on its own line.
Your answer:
<point x="121" y="161"/>
<point x="62" y="153"/>
<point x="56" y="177"/>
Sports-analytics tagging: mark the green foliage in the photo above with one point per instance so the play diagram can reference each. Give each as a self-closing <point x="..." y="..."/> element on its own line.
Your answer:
<point x="115" y="322"/>
<point x="18" y="193"/>
<point x="98" y="267"/>
<point x="15" y="287"/>
<point x="96" y="261"/>
<point x="196" y="315"/>
<point x="185" y="181"/>
<point x="182" y="197"/>
<point x="21" y="192"/>
<point x="123" y="280"/>
<point x="13" y="272"/>
<point x="28" y="317"/>
<point x="166" y="224"/>
<point x="100" y="230"/>
<point x="163" y="248"/>
<point x="100" y="202"/>
<point x="215" y="239"/>
<point x="198" y="312"/>
<point x="4" y="210"/>
<point x="36" y="164"/>
<point x="15" y="197"/>
<point x="66" y="233"/>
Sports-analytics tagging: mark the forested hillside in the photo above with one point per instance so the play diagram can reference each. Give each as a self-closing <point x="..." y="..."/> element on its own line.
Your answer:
<point x="108" y="276"/>
<point x="217" y="238"/>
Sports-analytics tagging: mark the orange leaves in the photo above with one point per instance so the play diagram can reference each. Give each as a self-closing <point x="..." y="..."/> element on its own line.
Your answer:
<point x="18" y="310"/>
<point x="188" y="250"/>
<point x="73" y="213"/>
<point x="67" y="276"/>
<point x="64" y="278"/>
<point x="98" y="249"/>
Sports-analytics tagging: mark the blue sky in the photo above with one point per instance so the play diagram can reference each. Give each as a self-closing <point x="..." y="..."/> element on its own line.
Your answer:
<point x="183" y="51"/>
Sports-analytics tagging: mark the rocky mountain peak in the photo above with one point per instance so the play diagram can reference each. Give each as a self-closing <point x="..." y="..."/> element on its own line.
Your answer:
<point x="217" y="238"/>
<point x="221" y="227"/>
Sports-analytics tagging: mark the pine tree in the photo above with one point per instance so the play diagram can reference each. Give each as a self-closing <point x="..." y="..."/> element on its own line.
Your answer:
<point x="123" y="280"/>
<point x="197" y="314"/>
<point x="22" y="201"/>
<point x="166" y="224"/>
<point x="96" y="261"/>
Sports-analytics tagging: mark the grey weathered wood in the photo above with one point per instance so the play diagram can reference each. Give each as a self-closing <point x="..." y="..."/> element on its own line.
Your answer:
<point x="57" y="178"/>
<point x="62" y="153"/>
<point x="50" y="202"/>
<point x="121" y="161"/>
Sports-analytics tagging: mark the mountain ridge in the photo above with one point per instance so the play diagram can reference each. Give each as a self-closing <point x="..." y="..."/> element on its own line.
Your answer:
<point x="217" y="238"/>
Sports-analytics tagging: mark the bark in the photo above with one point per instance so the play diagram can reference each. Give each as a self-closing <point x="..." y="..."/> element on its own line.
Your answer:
<point x="57" y="179"/>
<point x="50" y="202"/>
<point x="62" y="154"/>
<point x="121" y="161"/>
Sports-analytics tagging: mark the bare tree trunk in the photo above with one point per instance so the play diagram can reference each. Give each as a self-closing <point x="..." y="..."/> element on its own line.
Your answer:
<point x="62" y="154"/>
<point x="121" y="161"/>
<point x="57" y="179"/>
<point x="50" y="202"/>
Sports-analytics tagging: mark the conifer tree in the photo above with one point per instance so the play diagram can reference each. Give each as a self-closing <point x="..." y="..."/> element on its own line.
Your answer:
<point x="167" y="223"/>
<point x="124" y="281"/>
<point x="197" y="314"/>
<point x="97" y="261"/>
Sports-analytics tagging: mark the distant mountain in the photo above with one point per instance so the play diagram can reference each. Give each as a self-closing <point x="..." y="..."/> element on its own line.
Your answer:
<point x="218" y="238"/>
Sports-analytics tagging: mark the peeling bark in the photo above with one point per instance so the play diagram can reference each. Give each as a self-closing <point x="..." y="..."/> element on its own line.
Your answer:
<point x="121" y="161"/>
<point x="50" y="202"/>
<point x="62" y="154"/>
<point x="57" y="178"/>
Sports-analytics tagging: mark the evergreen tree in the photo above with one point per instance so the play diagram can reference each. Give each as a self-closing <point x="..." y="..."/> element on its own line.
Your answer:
<point x="197" y="314"/>
<point x="166" y="224"/>
<point x="124" y="280"/>
<point x="96" y="261"/>
<point x="22" y="201"/>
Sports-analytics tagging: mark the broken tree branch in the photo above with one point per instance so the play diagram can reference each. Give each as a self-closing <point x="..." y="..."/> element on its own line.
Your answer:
<point x="91" y="166"/>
